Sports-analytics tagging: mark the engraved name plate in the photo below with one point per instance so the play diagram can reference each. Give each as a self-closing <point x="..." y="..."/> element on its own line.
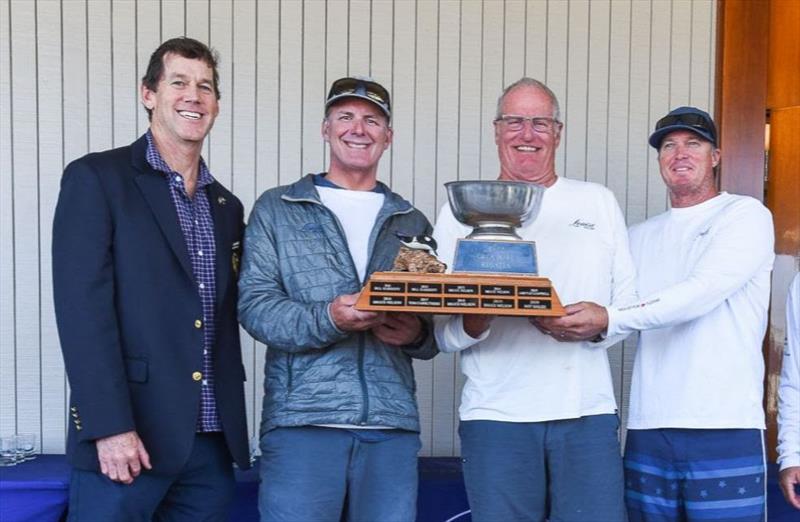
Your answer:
<point x="460" y="302"/>
<point x="535" y="304"/>
<point x="533" y="291"/>
<point x="388" y="287"/>
<point x="433" y="302"/>
<point x="387" y="300"/>
<point x="460" y="289"/>
<point x="497" y="303"/>
<point x="497" y="290"/>
<point x="424" y="288"/>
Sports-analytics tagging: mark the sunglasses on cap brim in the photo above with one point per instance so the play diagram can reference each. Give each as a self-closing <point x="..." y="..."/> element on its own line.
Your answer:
<point x="690" y="120"/>
<point x="371" y="90"/>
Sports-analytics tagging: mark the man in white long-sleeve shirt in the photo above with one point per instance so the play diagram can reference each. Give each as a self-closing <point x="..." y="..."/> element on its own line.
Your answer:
<point x="789" y="401"/>
<point x="539" y="430"/>
<point x="694" y="445"/>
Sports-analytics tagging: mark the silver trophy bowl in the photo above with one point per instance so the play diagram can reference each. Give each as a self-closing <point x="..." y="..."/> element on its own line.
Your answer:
<point x="494" y="208"/>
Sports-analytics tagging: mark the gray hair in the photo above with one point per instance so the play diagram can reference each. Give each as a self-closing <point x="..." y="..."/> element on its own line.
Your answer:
<point x="536" y="84"/>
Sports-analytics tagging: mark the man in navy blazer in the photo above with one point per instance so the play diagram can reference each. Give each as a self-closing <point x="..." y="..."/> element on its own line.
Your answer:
<point x="146" y="248"/>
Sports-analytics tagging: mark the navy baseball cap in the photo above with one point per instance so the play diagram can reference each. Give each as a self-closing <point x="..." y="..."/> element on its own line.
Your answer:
<point x="685" y="118"/>
<point x="360" y="87"/>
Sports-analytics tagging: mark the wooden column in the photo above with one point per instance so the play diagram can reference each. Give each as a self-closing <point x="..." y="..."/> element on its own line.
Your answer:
<point x="758" y="68"/>
<point x="783" y="186"/>
<point x="743" y="28"/>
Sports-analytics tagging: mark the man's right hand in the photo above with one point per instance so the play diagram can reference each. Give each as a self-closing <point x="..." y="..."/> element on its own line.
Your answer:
<point x="348" y="319"/>
<point x="122" y="456"/>
<point x="789" y="479"/>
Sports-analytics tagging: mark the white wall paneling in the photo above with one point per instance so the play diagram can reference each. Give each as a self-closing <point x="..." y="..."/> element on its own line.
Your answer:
<point x="69" y="73"/>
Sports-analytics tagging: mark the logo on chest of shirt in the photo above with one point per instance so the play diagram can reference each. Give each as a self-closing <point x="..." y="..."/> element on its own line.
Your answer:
<point x="582" y="224"/>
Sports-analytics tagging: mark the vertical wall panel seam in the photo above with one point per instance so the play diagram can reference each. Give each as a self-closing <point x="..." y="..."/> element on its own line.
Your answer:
<point x="232" y="59"/>
<point x="436" y="120"/>
<point x="628" y="111"/>
<point x="391" y="150"/>
<point x="608" y="96"/>
<point x="325" y="78"/>
<point x="712" y="58"/>
<point x="347" y="32"/>
<point x="63" y="161"/>
<point x="458" y="104"/>
<point x="161" y="22"/>
<point x="691" y="53"/>
<point x="38" y="203"/>
<point x="209" y="138"/>
<point x="254" y="385"/>
<point x="185" y="16"/>
<point x="111" y="73"/>
<point x="12" y="159"/>
<point x="369" y="49"/>
<point x="649" y="108"/>
<point x="135" y="63"/>
<point x="525" y="39"/>
<point x="586" y="106"/>
<point x="669" y="83"/>
<point x="480" y="92"/>
<point x="546" y="39"/>
<point x="454" y="398"/>
<point x="86" y="54"/>
<point x="414" y="105"/>
<point x="565" y="143"/>
<point x="302" y="81"/>
<point x="280" y="70"/>
<point x="503" y="48"/>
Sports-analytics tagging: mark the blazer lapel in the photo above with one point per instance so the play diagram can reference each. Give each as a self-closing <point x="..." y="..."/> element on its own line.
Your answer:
<point x="220" y="215"/>
<point x="156" y="192"/>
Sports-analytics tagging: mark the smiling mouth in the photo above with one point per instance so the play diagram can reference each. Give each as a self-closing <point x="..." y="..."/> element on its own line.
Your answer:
<point x="359" y="146"/>
<point x="190" y="115"/>
<point x="527" y="148"/>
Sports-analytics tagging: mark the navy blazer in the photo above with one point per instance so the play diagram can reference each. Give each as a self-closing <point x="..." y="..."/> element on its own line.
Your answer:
<point x="129" y="314"/>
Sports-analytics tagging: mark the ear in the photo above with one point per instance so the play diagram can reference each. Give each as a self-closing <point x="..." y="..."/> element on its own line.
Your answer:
<point x="715" y="157"/>
<point x="557" y="138"/>
<point x="325" y="130"/>
<point x="147" y="96"/>
<point x="389" y="135"/>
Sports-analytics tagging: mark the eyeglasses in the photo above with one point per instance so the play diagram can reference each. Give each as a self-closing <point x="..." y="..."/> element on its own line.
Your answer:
<point x="372" y="90"/>
<point x="517" y="123"/>
<point x="691" y="120"/>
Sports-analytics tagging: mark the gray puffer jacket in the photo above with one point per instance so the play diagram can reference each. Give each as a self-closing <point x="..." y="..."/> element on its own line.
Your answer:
<point x="295" y="262"/>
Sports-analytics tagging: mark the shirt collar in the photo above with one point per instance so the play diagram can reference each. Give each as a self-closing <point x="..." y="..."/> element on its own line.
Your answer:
<point x="156" y="161"/>
<point x="321" y="180"/>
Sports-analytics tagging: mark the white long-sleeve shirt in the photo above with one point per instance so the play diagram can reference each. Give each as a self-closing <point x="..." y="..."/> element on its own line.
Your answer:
<point x="789" y="390"/>
<point x="703" y="282"/>
<point x="513" y="372"/>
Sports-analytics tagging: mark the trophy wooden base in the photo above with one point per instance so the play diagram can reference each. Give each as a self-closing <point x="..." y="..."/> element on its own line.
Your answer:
<point x="495" y="294"/>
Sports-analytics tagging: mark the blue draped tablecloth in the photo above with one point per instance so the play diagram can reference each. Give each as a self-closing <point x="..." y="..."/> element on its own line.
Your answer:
<point x="36" y="491"/>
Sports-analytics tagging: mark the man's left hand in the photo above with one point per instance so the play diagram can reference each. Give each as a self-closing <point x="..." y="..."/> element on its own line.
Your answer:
<point x="789" y="479"/>
<point x="399" y="329"/>
<point x="584" y="321"/>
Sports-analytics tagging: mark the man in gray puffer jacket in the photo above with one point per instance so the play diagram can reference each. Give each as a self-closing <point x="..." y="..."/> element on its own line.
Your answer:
<point x="340" y="428"/>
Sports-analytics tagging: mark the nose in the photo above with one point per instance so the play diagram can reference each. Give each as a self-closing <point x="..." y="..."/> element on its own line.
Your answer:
<point x="527" y="130"/>
<point x="357" y="127"/>
<point x="191" y="93"/>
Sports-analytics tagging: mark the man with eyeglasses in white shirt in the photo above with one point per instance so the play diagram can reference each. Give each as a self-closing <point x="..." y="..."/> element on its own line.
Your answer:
<point x="539" y="426"/>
